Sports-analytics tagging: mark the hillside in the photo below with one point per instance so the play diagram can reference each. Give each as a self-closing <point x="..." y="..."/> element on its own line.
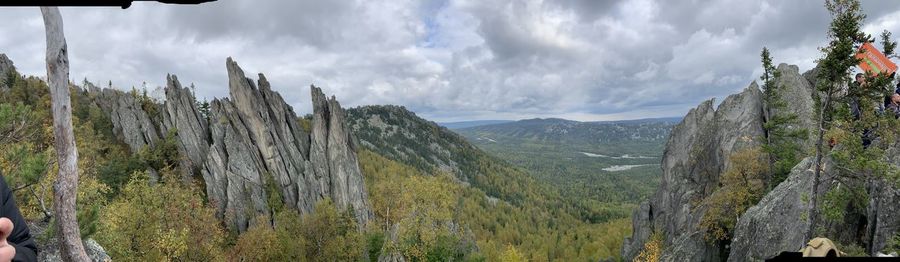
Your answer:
<point x="503" y="204"/>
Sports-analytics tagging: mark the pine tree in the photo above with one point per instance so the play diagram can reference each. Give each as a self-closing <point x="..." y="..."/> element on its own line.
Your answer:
<point x="887" y="45"/>
<point x="840" y="56"/>
<point x="781" y="142"/>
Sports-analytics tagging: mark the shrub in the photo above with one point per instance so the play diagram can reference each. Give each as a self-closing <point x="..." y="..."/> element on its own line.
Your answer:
<point x="741" y="187"/>
<point x="165" y="221"/>
<point x="652" y="249"/>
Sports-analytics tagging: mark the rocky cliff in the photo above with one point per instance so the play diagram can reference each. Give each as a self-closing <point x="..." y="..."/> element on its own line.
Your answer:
<point x="759" y="236"/>
<point x="6" y="66"/>
<point x="697" y="154"/>
<point x="779" y="222"/>
<point x="245" y="142"/>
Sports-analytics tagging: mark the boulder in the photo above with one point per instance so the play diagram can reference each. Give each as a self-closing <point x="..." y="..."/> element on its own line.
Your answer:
<point x="94" y="251"/>
<point x="758" y="237"/>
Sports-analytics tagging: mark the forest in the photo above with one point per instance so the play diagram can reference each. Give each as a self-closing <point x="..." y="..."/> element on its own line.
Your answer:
<point x="423" y="214"/>
<point x="580" y="158"/>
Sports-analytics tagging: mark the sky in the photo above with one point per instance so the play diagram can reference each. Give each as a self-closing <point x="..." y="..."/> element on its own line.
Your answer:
<point x="447" y="60"/>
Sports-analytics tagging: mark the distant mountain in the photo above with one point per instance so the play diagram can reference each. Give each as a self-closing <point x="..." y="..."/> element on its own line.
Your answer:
<point x="585" y="135"/>
<point x="467" y="124"/>
<point x="397" y="133"/>
<point x="644" y="120"/>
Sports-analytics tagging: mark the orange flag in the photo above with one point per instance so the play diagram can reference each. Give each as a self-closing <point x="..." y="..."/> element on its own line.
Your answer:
<point x="873" y="61"/>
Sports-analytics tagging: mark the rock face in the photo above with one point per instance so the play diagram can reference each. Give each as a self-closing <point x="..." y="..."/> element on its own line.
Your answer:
<point x="127" y="115"/>
<point x="798" y="93"/>
<point x="181" y="116"/>
<point x="6" y="66"/>
<point x="249" y="143"/>
<point x="883" y="221"/>
<point x="779" y="222"/>
<point x="696" y="153"/>
<point x="757" y="237"/>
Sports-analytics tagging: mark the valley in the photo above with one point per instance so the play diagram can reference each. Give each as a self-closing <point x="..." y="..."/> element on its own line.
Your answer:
<point x="595" y="164"/>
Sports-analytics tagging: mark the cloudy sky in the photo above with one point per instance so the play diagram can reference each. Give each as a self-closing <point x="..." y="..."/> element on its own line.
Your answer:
<point x="447" y="60"/>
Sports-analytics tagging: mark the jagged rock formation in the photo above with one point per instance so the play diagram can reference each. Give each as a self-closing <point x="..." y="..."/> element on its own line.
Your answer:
<point x="696" y="153"/>
<point x="798" y="93"/>
<point x="246" y="142"/>
<point x="180" y="114"/>
<point x="127" y="115"/>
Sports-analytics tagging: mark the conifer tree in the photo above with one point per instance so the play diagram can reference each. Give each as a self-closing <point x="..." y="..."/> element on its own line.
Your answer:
<point x="840" y="56"/>
<point x="887" y="45"/>
<point x="781" y="141"/>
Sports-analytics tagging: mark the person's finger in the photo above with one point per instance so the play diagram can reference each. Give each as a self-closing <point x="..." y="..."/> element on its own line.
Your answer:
<point x="6" y="227"/>
<point x="7" y="253"/>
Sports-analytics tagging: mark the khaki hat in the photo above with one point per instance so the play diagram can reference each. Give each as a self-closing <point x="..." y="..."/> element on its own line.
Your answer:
<point x="821" y="247"/>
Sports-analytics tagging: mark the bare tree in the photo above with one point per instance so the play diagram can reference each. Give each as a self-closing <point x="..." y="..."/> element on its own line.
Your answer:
<point x="71" y="248"/>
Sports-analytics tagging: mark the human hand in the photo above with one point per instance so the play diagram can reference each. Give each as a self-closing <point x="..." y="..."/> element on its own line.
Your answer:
<point x="7" y="251"/>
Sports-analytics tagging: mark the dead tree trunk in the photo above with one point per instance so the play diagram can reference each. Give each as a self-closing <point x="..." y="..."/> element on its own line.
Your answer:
<point x="813" y="215"/>
<point x="71" y="248"/>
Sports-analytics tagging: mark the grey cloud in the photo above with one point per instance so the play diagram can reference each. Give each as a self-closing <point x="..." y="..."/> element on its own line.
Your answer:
<point x="447" y="59"/>
<point x="588" y="10"/>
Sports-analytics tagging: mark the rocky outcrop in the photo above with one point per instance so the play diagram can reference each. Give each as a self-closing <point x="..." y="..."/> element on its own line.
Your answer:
<point x="346" y="186"/>
<point x="882" y="219"/>
<point x="797" y="92"/>
<point x="181" y="117"/>
<point x="779" y="222"/>
<point x="246" y="142"/>
<point x="234" y="170"/>
<point x="696" y="153"/>
<point x="129" y="117"/>
<point x="6" y="66"/>
<point x="757" y="237"/>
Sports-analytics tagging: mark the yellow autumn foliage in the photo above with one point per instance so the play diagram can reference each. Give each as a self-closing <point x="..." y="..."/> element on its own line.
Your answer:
<point x="652" y="250"/>
<point x="742" y="186"/>
<point x="161" y="222"/>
